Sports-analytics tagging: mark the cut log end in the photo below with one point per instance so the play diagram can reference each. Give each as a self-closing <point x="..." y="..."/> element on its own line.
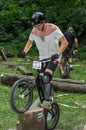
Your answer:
<point x="33" y="119"/>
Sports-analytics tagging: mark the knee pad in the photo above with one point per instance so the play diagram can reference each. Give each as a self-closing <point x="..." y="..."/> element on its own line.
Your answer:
<point x="39" y="83"/>
<point x="46" y="78"/>
<point x="47" y="92"/>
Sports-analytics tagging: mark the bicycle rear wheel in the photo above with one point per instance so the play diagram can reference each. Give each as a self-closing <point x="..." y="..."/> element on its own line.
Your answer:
<point x="52" y="116"/>
<point x="67" y="72"/>
<point x="21" y="96"/>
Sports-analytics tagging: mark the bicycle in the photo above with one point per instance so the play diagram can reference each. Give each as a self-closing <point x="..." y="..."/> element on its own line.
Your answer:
<point x="66" y="67"/>
<point x="21" y="97"/>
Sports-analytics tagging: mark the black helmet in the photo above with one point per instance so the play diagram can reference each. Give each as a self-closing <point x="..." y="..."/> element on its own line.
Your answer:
<point x="37" y="18"/>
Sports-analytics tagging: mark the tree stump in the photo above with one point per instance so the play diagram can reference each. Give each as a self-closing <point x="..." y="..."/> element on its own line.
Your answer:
<point x="33" y="119"/>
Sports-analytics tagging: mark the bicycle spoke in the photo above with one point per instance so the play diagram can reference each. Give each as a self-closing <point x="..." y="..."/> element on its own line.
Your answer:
<point x="21" y="96"/>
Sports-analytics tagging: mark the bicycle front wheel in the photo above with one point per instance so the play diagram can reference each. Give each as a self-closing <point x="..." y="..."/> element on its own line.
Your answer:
<point x="21" y="96"/>
<point x="52" y="116"/>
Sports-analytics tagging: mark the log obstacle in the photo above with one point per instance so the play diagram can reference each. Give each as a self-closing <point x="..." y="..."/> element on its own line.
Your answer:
<point x="68" y="85"/>
<point x="9" y="79"/>
<point x="33" y="119"/>
<point x="65" y="85"/>
<point x="2" y="54"/>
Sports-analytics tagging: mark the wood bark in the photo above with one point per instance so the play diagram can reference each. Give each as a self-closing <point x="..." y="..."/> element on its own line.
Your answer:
<point x="33" y="119"/>
<point x="66" y="85"/>
<point x="69" y="81"/>
<point x="2" y="54"/>
<point x="70" y="87"/>
<point x="9" y="79"/>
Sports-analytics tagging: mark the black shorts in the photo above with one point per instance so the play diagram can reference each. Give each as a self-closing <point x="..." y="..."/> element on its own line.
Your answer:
<point x="68" y="52"/>
<point x="48" y="65"/>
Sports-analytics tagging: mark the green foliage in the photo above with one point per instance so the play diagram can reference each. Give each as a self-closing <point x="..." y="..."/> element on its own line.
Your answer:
<point x="15" y="24"/>
<point x="75" y="19"/>
<point x="5" y="110"/>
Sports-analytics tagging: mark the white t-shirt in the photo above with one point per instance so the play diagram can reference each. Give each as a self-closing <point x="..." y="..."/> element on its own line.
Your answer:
<point x="47" y="42"/>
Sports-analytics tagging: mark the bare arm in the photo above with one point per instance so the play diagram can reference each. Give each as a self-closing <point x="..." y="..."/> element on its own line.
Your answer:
<point x="63" y="45"/>
<point x="28" y="46"/>
<point x="76" y="42"/>
<point x="76" y="46"/>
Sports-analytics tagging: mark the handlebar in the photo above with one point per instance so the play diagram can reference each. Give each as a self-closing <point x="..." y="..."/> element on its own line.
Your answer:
<point x="37" y="64"/>
<point x="31" y="59"/>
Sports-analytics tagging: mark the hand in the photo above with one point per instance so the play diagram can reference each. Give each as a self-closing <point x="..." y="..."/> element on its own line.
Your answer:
<point x="75" y="51"/>
<point x="54" y="57"/>
<point x="22" y="54"/>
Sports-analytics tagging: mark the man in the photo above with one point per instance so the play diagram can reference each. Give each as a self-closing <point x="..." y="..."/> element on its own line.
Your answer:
<point x="47" y="38"/>
<point x="72" y="39"/>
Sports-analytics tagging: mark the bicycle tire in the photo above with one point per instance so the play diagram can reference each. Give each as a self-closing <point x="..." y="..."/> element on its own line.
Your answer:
<point x="21" y="96"/>
<point x="52" y="116"/>
<point x="67" y="71"/>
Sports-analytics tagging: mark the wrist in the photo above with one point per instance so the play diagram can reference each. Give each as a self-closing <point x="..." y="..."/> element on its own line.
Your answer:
<point x="57" y="54"/>
<point x="54" y="57"/>
<point x="24" y="52"/>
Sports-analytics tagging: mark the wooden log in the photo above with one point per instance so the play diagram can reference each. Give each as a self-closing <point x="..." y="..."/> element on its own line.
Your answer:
<point x="70" y="87"/>
<point x="33" y="119"/>
<point x="69" y="81"/>
<point x="66" y="85"/>
<point x="2" y="54"/>
<point x="9" y="79"/>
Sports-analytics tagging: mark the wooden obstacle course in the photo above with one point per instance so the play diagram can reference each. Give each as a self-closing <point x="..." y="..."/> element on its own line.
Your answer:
<point x="65" y="85"/>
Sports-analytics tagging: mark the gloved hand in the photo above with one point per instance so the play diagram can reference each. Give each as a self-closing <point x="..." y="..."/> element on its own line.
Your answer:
<point x="54" y="57"/>
<point x="22" y="54"/>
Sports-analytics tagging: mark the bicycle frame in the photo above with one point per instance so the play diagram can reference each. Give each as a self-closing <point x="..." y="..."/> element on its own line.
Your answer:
<point x="21" y="97"/>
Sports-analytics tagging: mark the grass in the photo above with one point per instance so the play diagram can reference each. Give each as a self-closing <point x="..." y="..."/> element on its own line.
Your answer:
<point x="79" y="72"/>
<point x="8" y="118"/>
<point x="70" y="118"/>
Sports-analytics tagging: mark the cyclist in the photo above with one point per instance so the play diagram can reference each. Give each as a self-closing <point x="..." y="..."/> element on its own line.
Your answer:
<point x="73" y="41"/>
<point x="47" y="37"/>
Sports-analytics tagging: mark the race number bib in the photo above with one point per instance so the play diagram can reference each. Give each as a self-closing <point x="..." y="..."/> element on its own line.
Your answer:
<point x="37" y="65"/>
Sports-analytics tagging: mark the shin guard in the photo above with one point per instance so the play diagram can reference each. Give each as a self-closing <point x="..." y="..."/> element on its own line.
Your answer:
<point x="47" y="91"/>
